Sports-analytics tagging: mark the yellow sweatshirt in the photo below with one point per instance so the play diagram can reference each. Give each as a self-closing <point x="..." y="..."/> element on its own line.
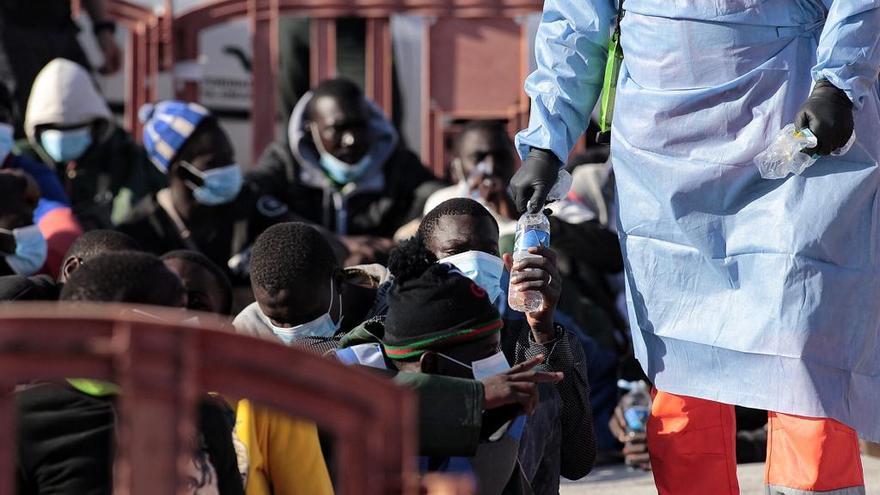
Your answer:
<point x="284" y="456"/>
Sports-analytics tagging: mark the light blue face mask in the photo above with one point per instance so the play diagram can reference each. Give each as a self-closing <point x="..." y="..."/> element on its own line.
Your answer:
<point x="483" y="268"/>
<point x="30" y="250"/>
<point x="66" y="145"/>
<point x="7" y="141"/>
<point x="338" y="170"/>
<point x="219" y="185"/>
<point x="322" y="326"/>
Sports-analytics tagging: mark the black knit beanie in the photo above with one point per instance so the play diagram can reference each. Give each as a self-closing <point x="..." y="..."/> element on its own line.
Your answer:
<point x="438" y="308"/>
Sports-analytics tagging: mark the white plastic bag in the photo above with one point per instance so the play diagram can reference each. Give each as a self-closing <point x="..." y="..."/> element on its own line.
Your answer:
<point x="784" y="156"/>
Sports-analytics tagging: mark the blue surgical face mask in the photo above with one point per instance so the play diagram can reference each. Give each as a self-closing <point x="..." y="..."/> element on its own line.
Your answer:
<point x="219" y="185"/>
<point x="322" y="326"/>
<point x="483" y="268"/>
<point x="338" y="170"/>
<point x="66" y="145"/>
<point x="7" y="140"/>
<point x="30" y="250"/>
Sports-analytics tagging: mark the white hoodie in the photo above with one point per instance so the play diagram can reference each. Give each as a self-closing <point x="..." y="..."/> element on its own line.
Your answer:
<point x="64" y="94"/>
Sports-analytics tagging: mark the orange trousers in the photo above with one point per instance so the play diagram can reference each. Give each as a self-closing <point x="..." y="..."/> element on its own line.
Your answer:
<point x="693" y="451"/>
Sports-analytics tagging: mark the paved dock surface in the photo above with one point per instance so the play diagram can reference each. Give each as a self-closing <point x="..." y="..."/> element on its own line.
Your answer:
<point x="617" y="480"/>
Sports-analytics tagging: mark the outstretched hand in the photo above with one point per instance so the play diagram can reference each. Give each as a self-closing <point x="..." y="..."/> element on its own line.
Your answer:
<point x="518" y="385"/>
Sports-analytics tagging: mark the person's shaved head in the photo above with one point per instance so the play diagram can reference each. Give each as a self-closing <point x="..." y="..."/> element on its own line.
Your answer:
<point x="126" y="277"/>
<point x="92" y="244"/>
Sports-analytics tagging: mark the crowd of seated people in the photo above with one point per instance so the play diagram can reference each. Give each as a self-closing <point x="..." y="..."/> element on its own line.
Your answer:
<point x="338" y="241"/>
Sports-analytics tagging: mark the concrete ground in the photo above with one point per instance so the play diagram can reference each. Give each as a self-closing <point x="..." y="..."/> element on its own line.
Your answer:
<point x="617" y="480"/>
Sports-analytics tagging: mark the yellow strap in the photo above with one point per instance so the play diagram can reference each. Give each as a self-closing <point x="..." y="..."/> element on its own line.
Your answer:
<point x="609" y="85"/>
<point x="95" y="388"/>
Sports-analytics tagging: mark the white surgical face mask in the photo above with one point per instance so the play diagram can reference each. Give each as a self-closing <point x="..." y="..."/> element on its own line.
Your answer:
<point x="30" y="250"/>
<point x="483" y="268"/>
<point x="322" y="326"/>
<point x="7" y="141"/>
<point x="219" y="186"/>
<point x="483" y="368"/>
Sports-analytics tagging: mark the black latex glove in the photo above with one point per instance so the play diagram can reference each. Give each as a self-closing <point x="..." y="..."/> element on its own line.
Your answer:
<point x="533" y="181"/>
<point x="828" y="113"/>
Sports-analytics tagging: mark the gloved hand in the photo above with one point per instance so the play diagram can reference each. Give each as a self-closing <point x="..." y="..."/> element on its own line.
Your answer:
<point x="533" y="181"/>
<point x="828" y="114"/>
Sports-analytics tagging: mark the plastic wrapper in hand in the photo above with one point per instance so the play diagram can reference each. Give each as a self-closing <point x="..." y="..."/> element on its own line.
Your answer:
<point x="560" y="188"/>
<point x="785" y="155"/>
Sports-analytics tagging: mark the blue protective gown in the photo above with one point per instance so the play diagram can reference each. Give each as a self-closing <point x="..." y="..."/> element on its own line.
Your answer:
<point x="762" y="293"/>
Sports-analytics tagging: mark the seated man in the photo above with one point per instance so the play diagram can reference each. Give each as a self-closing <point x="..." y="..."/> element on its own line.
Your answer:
<point x="83" y="250"/>
<point x="23" y="247"/>
<point x="53" y="213"/>
<point x="462" y="233"/>
<point x="297" y="284"/>
<point x="483" y="165"/>
<point x="70" y="128"/>
<point x="440" y="322"/>
<point x="206" y="285"/>
<point x="66" y="439"/>
<point x="207" y="206"/>
<point x="281" y="455"/>
<point x="346" y="170"/>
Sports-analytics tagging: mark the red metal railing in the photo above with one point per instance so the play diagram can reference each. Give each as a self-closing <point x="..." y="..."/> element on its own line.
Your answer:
<point x="162" y="368"/>
<point x="158" y="42"/>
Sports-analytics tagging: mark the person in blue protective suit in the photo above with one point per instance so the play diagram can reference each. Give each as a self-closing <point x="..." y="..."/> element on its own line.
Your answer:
<point x="742" y="290"/>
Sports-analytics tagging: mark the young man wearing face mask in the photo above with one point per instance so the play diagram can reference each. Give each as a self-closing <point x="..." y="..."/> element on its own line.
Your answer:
<point x="52" y="214"/>
<point x="462" y="233"/>
<point x="207" y="206"/>
<point x="70" y="128"/>
<point x="280" y="455"/>
<point x="297" y="284"/>
<point x="483" y="165"/>
<point x="343" y="168"/>
<point x="441" y="323"/>
<point x="22" y="245"/>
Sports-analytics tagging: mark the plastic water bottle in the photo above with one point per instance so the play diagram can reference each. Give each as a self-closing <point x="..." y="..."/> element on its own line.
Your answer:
<point x="533" y="230"/>
<point x="636" y="405"/>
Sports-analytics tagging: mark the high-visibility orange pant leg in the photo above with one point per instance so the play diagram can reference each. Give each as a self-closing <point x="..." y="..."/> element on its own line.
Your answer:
<point x="812" y="455"/>
<point x="692" y="443"/>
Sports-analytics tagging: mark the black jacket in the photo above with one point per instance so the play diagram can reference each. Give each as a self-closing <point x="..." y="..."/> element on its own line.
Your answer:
<point x="66" y="442"/>
<point x="407" y="186"/>
<point x="94" y="182"/>
<point x="227" y="233"/>
<point x="34" y="288"/>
